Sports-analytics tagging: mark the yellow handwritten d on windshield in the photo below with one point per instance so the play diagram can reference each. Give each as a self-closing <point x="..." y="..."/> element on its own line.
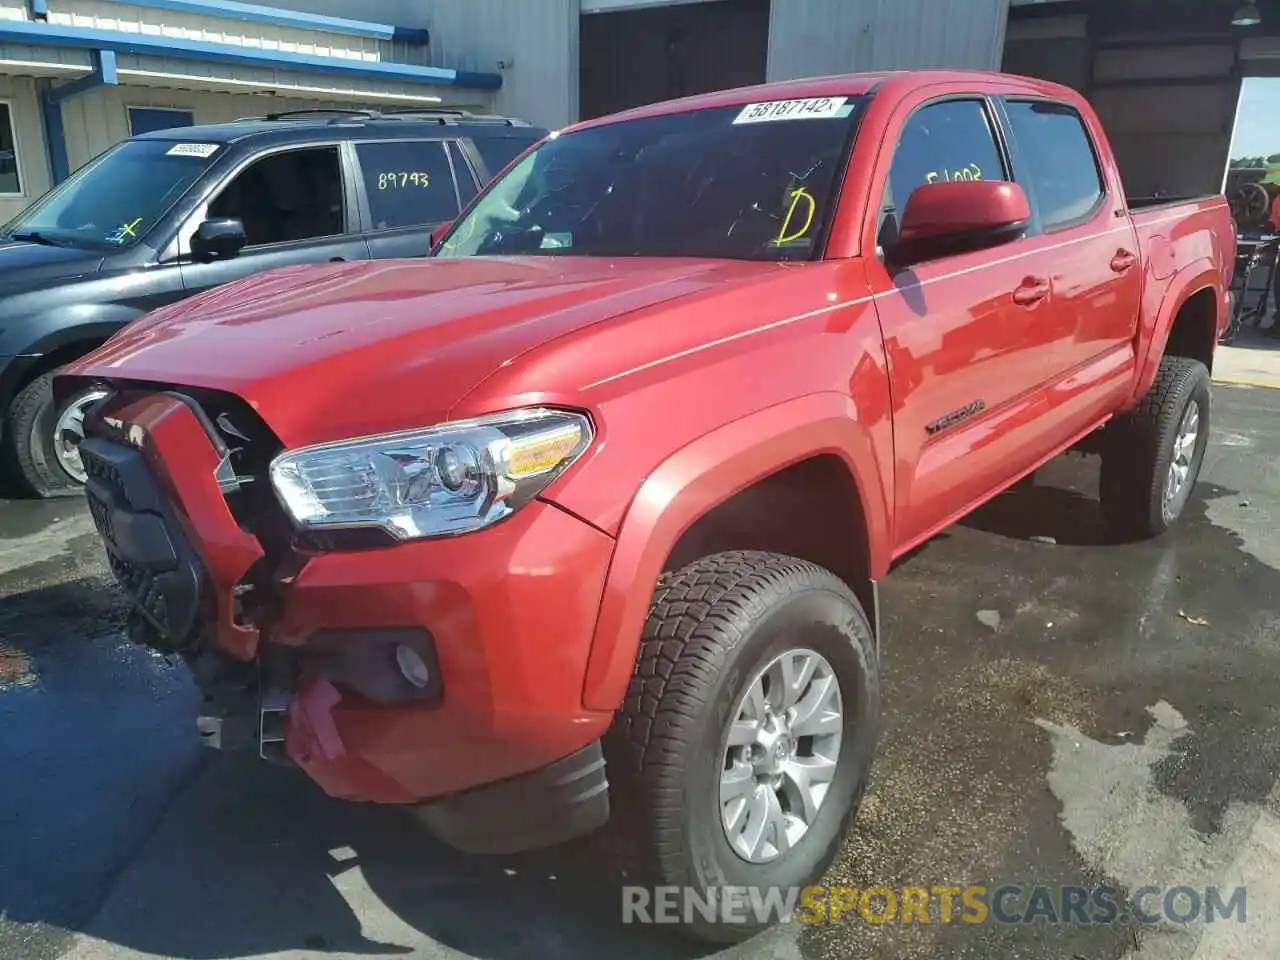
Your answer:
<point x="784" y="235"/>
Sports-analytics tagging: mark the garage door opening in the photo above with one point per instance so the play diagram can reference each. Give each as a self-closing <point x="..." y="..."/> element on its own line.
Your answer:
<point x="630" y="58"/>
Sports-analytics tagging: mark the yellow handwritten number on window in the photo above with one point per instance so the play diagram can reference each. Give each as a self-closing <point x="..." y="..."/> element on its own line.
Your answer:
<point x="786" y="234"/>
<point x="404" y="178"/>
<point x="971" y="172"/>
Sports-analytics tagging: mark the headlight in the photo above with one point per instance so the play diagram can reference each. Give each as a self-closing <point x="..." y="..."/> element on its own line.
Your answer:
<point x="452" y="478"/>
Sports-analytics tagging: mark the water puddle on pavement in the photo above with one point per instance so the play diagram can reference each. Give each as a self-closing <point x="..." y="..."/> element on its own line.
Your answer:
<point x="1128" y="830"/>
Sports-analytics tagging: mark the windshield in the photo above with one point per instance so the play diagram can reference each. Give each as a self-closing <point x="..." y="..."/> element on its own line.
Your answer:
<point x="746" y="183"/>
<point x="113" y="200"/>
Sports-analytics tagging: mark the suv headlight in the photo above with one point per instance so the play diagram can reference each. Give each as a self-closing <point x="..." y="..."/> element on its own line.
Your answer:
<point x="448" y="479"/>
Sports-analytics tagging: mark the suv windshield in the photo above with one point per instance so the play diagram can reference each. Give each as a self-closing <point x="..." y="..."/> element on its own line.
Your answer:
<point x="754" y="182"/>
<point x="114" y="199"/>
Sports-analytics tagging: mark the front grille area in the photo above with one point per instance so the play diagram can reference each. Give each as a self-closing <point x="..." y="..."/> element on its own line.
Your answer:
<point x="154" y="565"/>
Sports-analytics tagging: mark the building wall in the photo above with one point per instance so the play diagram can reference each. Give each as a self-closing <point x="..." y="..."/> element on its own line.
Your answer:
<point x="533" y="43"/>
<point x="809" y="38"/>
<point x="96" y="120"/>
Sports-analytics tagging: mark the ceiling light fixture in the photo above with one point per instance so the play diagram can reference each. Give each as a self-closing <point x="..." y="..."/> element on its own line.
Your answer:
<point x="1247" y="16"/>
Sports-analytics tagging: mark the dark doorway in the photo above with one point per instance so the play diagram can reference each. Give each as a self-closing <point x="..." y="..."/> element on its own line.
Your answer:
<point x="633" y="57"/>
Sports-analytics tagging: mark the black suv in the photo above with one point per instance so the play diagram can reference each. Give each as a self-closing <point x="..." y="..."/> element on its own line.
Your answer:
<point x="168" y="214"/>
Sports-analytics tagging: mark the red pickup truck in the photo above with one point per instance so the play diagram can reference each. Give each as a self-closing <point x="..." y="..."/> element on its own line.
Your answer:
<point x="582" y="517"/>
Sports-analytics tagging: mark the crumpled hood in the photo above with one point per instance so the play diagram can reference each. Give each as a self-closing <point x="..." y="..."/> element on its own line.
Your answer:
<point x="332" y="351"/>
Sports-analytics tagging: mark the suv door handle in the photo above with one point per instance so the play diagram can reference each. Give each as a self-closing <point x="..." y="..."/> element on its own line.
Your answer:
<point x="1122" y="261"/>
<point x="337" y="259"/>
<point x="1032" y="291"/>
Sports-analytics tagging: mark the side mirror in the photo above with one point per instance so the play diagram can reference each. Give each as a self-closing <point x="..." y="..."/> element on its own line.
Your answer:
<point x="945" y="218"/>
<point x="219" y="238"/>
<point x="438" y="233"/>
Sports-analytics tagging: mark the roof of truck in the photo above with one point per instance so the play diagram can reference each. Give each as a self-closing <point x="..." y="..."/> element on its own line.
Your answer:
<point x="841" y="85"/>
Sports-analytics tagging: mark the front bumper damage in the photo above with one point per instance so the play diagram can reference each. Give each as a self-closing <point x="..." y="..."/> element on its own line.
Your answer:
<point x="300" y="651"/>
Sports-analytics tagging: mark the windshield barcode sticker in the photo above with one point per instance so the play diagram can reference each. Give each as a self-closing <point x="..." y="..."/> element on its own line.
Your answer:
<point x="201" y="150"/>
<point x="813" y="108"/>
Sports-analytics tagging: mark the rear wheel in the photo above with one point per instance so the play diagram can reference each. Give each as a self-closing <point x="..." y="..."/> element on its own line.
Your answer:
<point x="41" y="438"/>
<point x="1153" y="454"/>
<point x="744" y="744"/>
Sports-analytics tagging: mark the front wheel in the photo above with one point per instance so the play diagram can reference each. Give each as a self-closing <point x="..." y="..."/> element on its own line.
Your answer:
<point x="41" y="438"/>
<point x="1152" y="456"/>
<point x="743" y="747"/>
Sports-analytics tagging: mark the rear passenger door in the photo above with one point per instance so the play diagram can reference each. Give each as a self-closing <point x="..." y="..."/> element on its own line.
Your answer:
<point x="1094" y="271"/>
<point x="967" y="335"/>
<point x="409" y="187"/>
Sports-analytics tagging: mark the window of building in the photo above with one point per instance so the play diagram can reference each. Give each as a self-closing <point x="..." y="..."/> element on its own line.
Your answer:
<point x="289" y="196"/>
<point x="941" y="142"/>
<point x="10" y="175"/>
<point x="1061" y="167"/>
<point x="408" y="182"/>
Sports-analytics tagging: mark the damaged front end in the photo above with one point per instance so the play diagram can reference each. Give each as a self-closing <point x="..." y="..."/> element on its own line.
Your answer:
<point x="199" y="544"/>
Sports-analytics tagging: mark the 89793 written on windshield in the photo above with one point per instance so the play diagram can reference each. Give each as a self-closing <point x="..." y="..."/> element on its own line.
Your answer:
<point x="753" y="182"/>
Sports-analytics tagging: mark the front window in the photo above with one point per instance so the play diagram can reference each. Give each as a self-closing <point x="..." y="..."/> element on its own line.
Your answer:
<point x="114" y="199"/>
<point x="754" y="182"/>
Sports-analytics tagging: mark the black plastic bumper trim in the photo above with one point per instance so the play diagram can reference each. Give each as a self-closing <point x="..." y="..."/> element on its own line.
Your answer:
<point x="557" y="803"/>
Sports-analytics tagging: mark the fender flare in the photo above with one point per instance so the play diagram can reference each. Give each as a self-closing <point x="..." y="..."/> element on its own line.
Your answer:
<point x="1186" y="283"/>
<point x="35" y="337"/>
<point x="701" y="475"/>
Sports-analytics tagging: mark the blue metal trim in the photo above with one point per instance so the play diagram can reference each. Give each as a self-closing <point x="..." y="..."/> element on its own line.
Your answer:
<point x="39" y="9"/>
<point x="105" y="74"/>
<point x="256" y="13"/>
<point x="43" y="35"/>
<point x="55" y="138"/>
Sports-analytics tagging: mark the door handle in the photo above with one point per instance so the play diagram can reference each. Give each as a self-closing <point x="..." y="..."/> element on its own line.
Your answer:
<point x="337" y="259"/>
<point x="1122" y="261"/>
<point x="1031" y="291"/>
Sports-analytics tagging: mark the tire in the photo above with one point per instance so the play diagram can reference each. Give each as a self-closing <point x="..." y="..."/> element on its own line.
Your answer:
<point x="1140" y="451"/>
<point x="712" y="627"/>
<point x="29" y="452"/>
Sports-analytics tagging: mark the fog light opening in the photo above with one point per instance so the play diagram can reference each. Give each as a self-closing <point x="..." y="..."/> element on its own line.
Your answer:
<point x="412" y="667"/>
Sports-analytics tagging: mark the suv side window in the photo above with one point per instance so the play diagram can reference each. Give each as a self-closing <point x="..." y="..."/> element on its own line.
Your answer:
<point x="497" y="152"/>
<point x="1061" y="166"/>
<point x="408" y="182"/>
<point x="287" y="196"/>
<point x="943" y="141"/>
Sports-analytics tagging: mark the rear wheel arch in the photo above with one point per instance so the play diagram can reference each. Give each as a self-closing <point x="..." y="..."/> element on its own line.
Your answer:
<point x="1187" y="324"/>
<point x="701" y="499"/>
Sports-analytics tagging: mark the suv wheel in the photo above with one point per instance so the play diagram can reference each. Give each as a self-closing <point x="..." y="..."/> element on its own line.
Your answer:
<point x="743" y="747"/>
<point x="1153" y="454"/>
<point x="40" y="439"/>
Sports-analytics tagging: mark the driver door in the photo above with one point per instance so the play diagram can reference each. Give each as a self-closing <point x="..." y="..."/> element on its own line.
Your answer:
<point x="296" y="209"/>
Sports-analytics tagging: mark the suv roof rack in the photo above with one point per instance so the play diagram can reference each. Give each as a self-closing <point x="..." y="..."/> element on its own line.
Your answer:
<point x="426" y="114"/>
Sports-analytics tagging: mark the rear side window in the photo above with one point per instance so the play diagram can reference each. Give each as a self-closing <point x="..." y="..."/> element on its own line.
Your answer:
<point x="497" y="152"/>
<point x="1060" y="165"/>
<point x="408" y="183"/>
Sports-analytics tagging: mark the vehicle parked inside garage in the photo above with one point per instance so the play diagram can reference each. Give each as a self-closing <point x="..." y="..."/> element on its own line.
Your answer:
<point x="582" y="519"/>
<point x="167" y="214"/>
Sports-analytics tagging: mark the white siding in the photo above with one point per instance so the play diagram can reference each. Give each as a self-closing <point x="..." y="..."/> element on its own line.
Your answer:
<point x="24" y="108"/>
<point x="151" y="22"/>
<point x="809" y="38"/>
<point x="537" y="40"/>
